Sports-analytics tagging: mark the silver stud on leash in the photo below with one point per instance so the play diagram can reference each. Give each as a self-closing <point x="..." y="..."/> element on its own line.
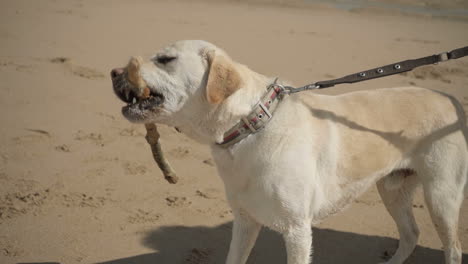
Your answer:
<point x="397" y="66"/>
<point x="380" y="70"/>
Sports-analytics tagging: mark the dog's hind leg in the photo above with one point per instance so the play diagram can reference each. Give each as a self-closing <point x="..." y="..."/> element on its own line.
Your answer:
<point x="397" y="191"/>
<point x="444" y="176"/>
<point x="444" y="201"/>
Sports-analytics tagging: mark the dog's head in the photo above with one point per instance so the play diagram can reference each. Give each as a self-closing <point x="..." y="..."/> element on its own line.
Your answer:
<point x="178" y="80"/>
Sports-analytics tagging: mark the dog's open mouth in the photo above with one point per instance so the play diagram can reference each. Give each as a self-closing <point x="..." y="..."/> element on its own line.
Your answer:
<point x="133" y="101"/>
<point x="127" y="93"/>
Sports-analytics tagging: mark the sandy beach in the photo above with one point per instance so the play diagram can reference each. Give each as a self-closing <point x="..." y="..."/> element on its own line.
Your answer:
<point x="77" y="180"/>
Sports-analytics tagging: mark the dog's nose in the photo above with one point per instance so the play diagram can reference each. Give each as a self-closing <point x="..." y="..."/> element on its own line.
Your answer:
<point x="116" y="72"/>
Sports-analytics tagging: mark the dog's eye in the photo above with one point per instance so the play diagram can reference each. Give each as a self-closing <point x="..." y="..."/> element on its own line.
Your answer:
<point x="165" y="59"/>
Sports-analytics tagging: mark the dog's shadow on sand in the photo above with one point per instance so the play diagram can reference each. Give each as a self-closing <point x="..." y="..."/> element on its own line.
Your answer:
<point x="205" y="245"/>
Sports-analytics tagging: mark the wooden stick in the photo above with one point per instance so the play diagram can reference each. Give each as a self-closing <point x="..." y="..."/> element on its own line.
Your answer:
<point x="152" y="136"/>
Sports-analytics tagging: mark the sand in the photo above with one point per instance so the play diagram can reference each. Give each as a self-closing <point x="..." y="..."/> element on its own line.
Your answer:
<point x="77" y="181"/>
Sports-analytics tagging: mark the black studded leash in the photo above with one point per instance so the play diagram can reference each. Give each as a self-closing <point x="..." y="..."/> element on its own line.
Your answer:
<point x="383" y="71"/>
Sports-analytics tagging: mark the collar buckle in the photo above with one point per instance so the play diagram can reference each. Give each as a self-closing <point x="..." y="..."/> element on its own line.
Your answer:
<point x="261" y="114"/>
<point x="248" y="124"/>
<point x="265" y="110"/>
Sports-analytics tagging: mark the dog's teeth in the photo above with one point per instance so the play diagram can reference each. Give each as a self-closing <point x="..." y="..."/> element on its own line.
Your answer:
<point x="127" y="93"/>
<point x="134" y="100"/>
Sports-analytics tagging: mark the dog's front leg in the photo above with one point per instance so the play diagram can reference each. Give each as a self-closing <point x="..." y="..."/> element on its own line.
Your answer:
<point x="298" y="244"/>
<point x="244" y="233"/>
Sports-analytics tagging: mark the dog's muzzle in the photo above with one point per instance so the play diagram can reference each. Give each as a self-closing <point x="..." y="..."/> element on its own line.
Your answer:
<point x="126" y="92"/>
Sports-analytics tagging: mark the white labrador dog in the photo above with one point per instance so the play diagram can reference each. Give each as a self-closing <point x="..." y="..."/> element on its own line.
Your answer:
<point x="316" y="155"/>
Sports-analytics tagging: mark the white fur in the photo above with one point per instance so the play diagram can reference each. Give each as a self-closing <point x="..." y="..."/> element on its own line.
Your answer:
<point x="319" y="153"/>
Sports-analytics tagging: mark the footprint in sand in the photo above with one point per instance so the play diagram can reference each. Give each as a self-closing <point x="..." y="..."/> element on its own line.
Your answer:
<point x="96" y="138"/>
<point x="132" y="168"/>
<point x="82" y="200"/>
<point x="143" y="217"/>
<point x="225" y="213"/>
<point x="131" y="132"/>
<point x="179" y="152"/>
<point x="62" y="148"/>
<point x="174" y="201"/>
<point x="77" y="70"/>
<point x="18" y="203"/>
<point x="199" y="256"/>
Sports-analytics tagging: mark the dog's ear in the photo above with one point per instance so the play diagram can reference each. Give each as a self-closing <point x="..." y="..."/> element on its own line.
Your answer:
<point x="223" y="77"/>
<point x="133" y="71"/>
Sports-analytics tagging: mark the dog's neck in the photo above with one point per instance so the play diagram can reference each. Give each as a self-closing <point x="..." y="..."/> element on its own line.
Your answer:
<point x="215" y="120"/>
<point x="241" y="103"/>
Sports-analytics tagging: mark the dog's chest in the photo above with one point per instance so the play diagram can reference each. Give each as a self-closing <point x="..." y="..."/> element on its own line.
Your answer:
<point x="269" y="203"/>
<point x="266" y="187"/>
